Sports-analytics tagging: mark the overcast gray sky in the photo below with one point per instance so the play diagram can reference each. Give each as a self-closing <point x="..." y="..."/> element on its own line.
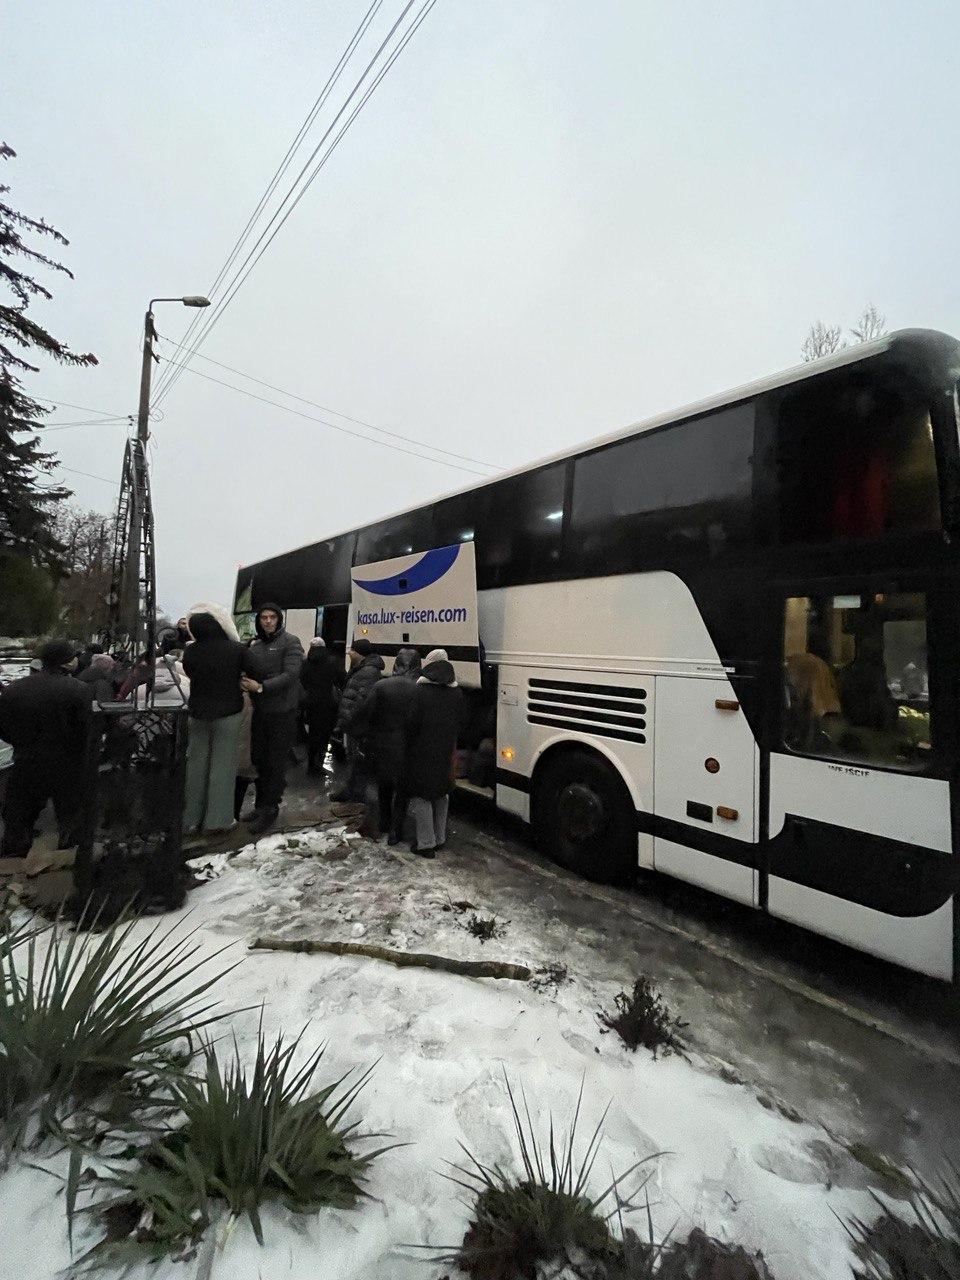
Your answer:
<point x="554" y="218"/>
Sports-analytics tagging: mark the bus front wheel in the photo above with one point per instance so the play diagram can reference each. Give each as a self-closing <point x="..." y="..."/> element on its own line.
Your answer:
<point x="584" y="819"/>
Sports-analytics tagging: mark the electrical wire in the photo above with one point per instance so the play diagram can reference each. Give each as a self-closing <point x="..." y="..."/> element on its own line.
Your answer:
<point x="264" y="242"/>
<point x="210" y="320"/>
<point x="395" y="435"/>
<point x="309" y="417"/>
<point x="90" y="422"/>
<point x="74" y="472"/>
<point x="281" y="169"/>
<point x="84" y="408"/>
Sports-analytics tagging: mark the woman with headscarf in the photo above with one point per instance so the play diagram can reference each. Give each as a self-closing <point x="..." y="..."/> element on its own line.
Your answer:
<point x="214" y="663"/>
<point x="428" y="769"/>
<point x="98" y="674"/>
<point x="384" y="719"/>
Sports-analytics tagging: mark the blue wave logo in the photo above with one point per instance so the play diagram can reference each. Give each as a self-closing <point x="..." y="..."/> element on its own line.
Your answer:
<point x="429" y="569"/>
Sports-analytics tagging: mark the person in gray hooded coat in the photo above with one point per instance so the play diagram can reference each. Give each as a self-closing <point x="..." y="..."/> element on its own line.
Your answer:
<point x="276" y="657"/>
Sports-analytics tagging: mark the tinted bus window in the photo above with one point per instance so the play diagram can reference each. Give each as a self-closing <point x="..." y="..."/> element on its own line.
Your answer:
<point x="455" y="519"/>
<point x="685" y="488"/>
<point x="329" y="573"/>
<point x="398" y="536"/>
<point x="520" y="528"/>
<point x="855" y="457"/>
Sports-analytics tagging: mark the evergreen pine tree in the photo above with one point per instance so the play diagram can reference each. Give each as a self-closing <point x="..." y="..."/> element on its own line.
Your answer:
<point x="27" y="507"/>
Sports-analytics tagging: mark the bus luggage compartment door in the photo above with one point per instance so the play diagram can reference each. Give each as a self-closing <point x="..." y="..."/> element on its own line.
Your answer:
<point x="705" y="787"/>
<point x="864" y="856"/>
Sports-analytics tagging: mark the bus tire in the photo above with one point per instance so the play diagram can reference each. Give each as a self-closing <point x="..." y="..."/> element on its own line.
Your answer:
<point x="584" y="819"/>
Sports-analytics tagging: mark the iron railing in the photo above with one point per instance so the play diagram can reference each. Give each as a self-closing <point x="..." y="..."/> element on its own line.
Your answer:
<point x="129" y="853"/>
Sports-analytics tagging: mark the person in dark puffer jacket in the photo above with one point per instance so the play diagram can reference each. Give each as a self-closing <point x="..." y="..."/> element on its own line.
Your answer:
<point x="384" y="720"/>
<point x="318" y="677"/>
<point x="46" y="717"/>
<point x="428" y="771"/>
<point x="366" y="667"/>
<point x="213" y="661"/>
<point x="276" y="657"/>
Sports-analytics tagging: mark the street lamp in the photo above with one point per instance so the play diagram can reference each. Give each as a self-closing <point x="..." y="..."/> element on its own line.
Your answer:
<point x="146" y="369"/>
<point x="134" y="566"/>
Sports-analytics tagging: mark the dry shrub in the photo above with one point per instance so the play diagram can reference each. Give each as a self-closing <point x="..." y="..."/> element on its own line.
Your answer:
<point x="642" y="1018"/>
<point x="486" y="928"/>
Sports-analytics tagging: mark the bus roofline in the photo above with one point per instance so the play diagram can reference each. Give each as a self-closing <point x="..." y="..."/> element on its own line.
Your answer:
<point x="746" y="391"/>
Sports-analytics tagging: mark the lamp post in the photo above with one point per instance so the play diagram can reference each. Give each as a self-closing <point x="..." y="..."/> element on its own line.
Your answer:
<point x="134" y="567"/>
<point x="146" y="369"/>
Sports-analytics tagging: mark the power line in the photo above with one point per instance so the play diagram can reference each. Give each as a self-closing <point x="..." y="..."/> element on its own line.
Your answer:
<point x="90" y="422"/>
<point x="261" y="246"/>
<point x="84" y="408"/>
<point x="396" y="435"/>
<point x="309" y="417"/>
<point x="281" y="169"/>
<point x="239" y="277"/>
<point x="74" y="472"/>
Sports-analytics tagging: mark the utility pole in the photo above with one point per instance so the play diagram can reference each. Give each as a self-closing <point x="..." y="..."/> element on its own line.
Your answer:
<point x="133" y="597"/>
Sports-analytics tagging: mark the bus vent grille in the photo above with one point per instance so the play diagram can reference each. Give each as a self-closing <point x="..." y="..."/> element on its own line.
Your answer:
<point x="608" y="711"/>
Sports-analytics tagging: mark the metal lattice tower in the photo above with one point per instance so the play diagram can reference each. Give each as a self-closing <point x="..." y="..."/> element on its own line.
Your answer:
<point x="133" y="591"/>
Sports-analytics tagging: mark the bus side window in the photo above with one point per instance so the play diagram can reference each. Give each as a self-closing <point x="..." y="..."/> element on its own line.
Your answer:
<point x="855" y="457"/>
<point x="855" y="678"/>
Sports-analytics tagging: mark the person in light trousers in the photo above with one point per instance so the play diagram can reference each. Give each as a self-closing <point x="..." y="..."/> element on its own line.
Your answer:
<point x="214" y="661"/>
<point x="428" y="768"/>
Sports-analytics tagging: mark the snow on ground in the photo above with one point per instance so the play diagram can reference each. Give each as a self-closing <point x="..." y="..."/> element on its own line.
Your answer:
<point x="441" y="1042"/>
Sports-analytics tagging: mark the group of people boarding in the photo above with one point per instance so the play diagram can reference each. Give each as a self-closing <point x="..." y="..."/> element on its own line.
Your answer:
<point x="400" y="732"/>
<point x="244" y="702"/>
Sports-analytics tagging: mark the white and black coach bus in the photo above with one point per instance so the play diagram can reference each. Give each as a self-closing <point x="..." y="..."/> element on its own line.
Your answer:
<point x="724" y="644"/>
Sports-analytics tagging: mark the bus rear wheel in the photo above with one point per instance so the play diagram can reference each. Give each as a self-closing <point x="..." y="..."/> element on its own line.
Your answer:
<point x="584" y="819"/>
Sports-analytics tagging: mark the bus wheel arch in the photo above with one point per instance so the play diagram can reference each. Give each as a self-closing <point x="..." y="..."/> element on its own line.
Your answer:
<point x="582" y="813"/>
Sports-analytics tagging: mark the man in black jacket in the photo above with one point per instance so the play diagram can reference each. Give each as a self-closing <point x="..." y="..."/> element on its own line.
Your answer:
<point x="318" y="677"/>
<point x="276" y="657"/>
<point x="384" y="720"/>
<point x="366" y="668"/>
<point x="46" y="718"/>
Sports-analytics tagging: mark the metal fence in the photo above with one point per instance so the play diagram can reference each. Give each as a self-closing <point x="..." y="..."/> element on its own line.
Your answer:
<point x="129" y="852"/>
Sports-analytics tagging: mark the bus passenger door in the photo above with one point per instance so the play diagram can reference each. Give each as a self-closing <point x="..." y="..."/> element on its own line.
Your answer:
<point x="706" y="765"/>
<point x="860" y="828"/>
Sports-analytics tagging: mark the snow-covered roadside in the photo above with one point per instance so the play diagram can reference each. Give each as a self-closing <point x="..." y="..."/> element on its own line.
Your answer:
<point x="739" y="1170"/>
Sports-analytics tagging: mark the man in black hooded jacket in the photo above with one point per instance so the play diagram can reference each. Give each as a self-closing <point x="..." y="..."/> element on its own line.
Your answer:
<point x="47" y="720"/>
<point x="366" y="668"/>
<point x="276" y="657"/>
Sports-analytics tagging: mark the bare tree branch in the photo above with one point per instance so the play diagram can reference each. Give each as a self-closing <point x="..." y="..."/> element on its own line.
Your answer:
<point x="822" y="340"/>
<point x="871" y="325"/>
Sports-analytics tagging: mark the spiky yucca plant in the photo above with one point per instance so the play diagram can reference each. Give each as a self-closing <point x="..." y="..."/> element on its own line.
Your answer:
<point x="546" y="1214"/>
<point x="890" y="1248"/>
<point x="240" y="1140"/>
<point x="85" y="1018"/>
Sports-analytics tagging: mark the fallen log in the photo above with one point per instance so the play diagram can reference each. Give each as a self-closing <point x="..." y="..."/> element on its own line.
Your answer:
<point x="403" y="959"/>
